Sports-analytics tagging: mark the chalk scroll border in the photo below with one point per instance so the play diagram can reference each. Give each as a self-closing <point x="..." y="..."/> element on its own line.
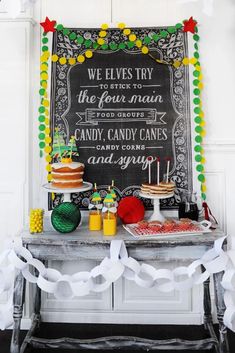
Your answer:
<point x="173" y="47"/>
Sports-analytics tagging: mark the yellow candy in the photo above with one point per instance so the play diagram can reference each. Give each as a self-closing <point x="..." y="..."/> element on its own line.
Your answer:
<point x="63" y="61"/>
<point x="185" y="61"/>
<point x="144" y="50"/>
<point x="121" y="25"/>
<point x="72" y="61"/>
<point x="88" y="54"/>
<point x="126" y="31"/>
<point x="102" y="34"/>
<point x="132" y="37"/>
<point x="54" y="58"/>
<point x="138" y="43"/>
<point x="81" y="58"/>
<point x="104" y="26"/>
<point x="100" y="41"/>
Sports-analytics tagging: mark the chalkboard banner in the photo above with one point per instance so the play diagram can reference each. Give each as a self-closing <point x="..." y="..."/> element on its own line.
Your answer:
<point x="122" y="106"/>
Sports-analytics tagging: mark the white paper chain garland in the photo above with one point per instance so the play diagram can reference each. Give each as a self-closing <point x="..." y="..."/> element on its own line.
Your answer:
<point x="111" y="269"/>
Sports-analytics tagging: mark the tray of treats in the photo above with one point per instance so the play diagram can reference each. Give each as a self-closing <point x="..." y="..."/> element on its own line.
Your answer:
<point x="169" y="228"/>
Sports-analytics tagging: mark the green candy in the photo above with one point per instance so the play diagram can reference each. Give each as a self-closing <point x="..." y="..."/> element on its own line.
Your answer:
<point x="156" y="37"/>
<point x="66" y="31"/>
<point x="147" y="40"/>
<point x="122" y="46"/>
<point x="44" y="48"/>
<point x="196" y="91"/>
<point x="196" y="37"/>
<point x="113" y="46"/>
<point x="196" y="73"/>
<point x="196" y="101"/>
<point x="198" y="158"/>
<point x="80" y="39"/>
<point x="42" y="127"/>
<point x="198" y="148"/>
<point x="88" y="43"/>
<point x="198" y="129"/>
<point x="44" y="40"/>
<point x="198" y="120"/>
<point x="178" y="25"/>
<point x="201" y="178"/>
<point x="72" y="36"/>
<point x="41" y="109"/>
<point x="104" y="46"/>
<point x="164" y="33"/>
<point x="42" y="145"/>
<point x="41" y="118"/>
<point x="171" y="29"/>
<point x="198" y="139"/>
<point x="200" y="168"/>
<point x="60" y="27"/>
<point x="41" y="136"/>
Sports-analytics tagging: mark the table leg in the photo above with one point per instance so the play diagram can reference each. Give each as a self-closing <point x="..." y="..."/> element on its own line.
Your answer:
<point x="220" y="306"/>
<point x="18" y="302"/>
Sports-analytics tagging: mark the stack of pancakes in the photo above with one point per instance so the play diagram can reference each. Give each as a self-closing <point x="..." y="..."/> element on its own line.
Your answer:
<point x="162" y="188"/>
<point x="67" y="175"/>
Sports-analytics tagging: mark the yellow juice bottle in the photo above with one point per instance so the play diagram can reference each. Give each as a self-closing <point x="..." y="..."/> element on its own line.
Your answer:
<point x="109" y="216"/>
<point x="95" y="215"/>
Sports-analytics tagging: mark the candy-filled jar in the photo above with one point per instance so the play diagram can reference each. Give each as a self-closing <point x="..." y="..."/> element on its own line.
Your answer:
<point x="95" y="215"/>
<point x="109" y="216"/>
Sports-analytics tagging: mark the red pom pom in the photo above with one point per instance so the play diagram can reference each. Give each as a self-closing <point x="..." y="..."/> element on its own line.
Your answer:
<point x="131" y="210"/>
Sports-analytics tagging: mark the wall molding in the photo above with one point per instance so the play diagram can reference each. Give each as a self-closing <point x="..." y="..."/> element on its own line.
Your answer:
<point x="219" y="145"/>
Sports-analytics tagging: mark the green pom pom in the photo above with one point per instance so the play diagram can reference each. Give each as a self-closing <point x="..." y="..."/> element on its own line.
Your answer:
<point x="201" y="178"/>
<point x="41" y="118"/>
<point x="42" y="92"/>
<point x="197" y="110"/>
<point x="198" y="158"/>
<point x="198" y="139"/>
<point x="198" y="120"/>
<point x="41" y="136"/>
<point x="44" y="48"/>
<point x="42" y="145"/>
<point x="196" y="73"/>
<point x="196" y="101"/>
<point x="42" y="127"/>
<point x="197" y="148"/>
<point x="200" y="168"/>
<point x="196" y="91"/>
<point x="196" y="82"/>
<point x="41" y="109"/>
<point x="65" y="217"/>
<point x="198" y="129"/>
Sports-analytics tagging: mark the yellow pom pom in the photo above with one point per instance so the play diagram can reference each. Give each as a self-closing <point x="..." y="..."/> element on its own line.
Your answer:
<point x="48" y="139"/>
<point x="138" y="43"/>
<point x="88" y="54"/>
<point x="193" y="61"/>
<point x="63" y="60"/>
<point x="100" y="41"/>
<point x="49" y="177"/>
<point x="46" y="112"/>
<point x="45" y="103"/>
<point x="102" y="34"/>
<point x="144" y="50"/>
<point x="47" y="120"/>
<point x="185" y="61"/>
<point x="104" y="26"/>
<point x="44" y="67"/>
<point x="132" y="37"/>
<point x="48" y="158"/>
<point x="126" y="31"/>
<point x="81" y="58"/>
<point x="54" y="58"/>
<point x="47" y="130"/>
<point x="121" y="25"/>
<point x="44" y="76"/>
<point x="48" y="168"/>
<point x="72" y="61"/>
<point x="48" y="149"/>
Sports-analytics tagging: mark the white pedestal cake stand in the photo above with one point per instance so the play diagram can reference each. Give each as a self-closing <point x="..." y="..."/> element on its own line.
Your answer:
<point x="67" y="192"/>
<point x="156" y="215"/>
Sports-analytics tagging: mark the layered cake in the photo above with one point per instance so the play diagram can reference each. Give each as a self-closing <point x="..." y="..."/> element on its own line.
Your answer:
<point x="67" y="174"/>
<point x="163" y="188"/>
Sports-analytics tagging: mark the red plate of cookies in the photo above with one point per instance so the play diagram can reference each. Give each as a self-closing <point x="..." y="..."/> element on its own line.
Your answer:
<point x="169" y="228"/>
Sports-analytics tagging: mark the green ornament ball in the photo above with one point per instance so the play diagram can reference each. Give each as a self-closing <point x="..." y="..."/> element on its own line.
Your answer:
<point x="65" y="217"/>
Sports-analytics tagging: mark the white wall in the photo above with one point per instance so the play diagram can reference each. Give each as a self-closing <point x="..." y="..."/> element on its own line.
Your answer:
<point x="19" y="84"/>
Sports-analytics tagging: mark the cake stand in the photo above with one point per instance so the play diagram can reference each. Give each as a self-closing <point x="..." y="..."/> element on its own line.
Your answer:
<point x="156" y="215"/>
<point x="67" y="192"/>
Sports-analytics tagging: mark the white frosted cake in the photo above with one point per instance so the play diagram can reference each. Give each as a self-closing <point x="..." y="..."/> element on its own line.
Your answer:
<point x="67" y="174"/>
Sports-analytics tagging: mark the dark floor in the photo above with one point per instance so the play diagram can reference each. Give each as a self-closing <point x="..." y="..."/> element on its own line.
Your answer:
<point x="92" y="331"/>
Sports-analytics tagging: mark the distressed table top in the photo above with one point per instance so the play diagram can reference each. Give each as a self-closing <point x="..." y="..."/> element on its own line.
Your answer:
<point x="85" y="244"/>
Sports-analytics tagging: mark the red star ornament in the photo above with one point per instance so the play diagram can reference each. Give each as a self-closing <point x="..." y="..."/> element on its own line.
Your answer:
<point x="48" y="26"/>
<point x="189" y="26"/>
